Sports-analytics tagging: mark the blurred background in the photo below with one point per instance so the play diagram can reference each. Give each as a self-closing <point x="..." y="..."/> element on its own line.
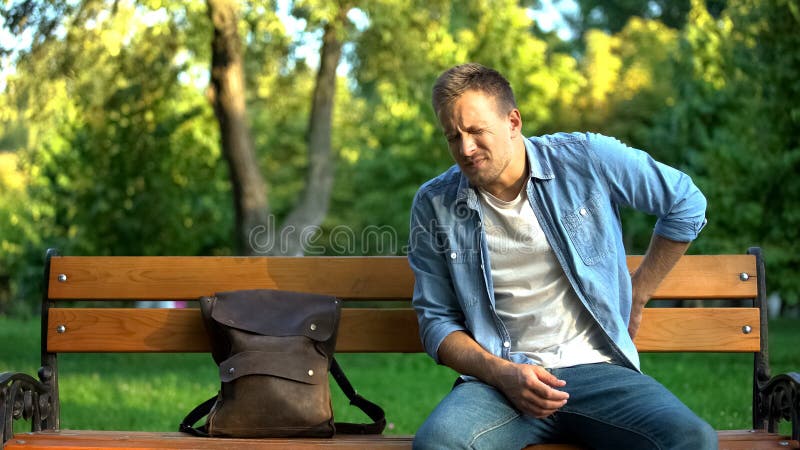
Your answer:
<point x="178" y="127"/>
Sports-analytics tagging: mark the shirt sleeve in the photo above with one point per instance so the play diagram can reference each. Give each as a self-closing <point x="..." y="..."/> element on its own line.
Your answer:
<point x="635" y="179"/>
<point x="434" y="300"/>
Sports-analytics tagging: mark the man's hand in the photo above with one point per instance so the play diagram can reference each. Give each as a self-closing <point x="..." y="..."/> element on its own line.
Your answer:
<point x="661" y="257"/>
<point x="532" y="389"/>
<point x="636" y="313"/>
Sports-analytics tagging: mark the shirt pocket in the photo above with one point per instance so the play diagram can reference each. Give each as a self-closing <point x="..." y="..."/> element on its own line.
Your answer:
<point x="462" y="256"/>
<point x="466" y="275"/>
<point x="588" y="231"/>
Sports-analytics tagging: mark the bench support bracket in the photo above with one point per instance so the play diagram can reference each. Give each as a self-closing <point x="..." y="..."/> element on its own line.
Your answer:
<point x="781" y="401"/>
<point x="774" y="398"/>
<point x="23" y="397"/>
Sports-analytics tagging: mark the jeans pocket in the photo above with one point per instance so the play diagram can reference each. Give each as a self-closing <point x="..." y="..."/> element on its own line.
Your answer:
<point x="588" y="230"/>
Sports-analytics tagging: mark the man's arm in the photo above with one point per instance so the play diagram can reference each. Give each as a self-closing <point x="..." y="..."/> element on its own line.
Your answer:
<point x="635" y="179"/>
<point x="530" y="388"/>
<point x="434" y="300"/>
<point x="660" y="258"/>
<point x="444" y="335"/>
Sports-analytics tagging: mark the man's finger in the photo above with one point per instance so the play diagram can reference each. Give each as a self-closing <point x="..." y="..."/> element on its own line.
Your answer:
<point x="539" y="407"/>
<point x="550" y="379"/>
<point x="541" y="387"/>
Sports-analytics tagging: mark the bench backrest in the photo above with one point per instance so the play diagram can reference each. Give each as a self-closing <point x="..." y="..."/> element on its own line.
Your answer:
<point x="385" y="324"/>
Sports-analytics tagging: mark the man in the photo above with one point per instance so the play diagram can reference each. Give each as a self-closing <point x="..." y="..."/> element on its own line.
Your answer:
<point x="522" y="285"/>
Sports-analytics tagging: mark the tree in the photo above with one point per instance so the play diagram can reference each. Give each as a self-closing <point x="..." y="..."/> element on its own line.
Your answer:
<point x="227" y="93"/>
<point x="314" y="200"/>
<point x="250" y="197"/>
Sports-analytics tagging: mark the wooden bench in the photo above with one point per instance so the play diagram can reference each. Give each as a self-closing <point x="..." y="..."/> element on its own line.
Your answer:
<point x="129" y="329"/>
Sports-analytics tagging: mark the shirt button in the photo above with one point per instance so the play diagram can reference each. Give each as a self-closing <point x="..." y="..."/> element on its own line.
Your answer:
<point x="584" y="212"/>
<point x="506" y="344"/>
<point x="453" y="255"/>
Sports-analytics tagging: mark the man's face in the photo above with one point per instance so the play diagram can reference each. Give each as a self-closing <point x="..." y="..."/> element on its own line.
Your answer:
<point x="481" y="140"/>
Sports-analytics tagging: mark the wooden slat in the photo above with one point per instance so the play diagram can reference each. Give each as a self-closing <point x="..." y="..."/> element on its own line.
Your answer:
<point x="707" y="277"/>
<point x="178" y="277"/>
<point x="181" y="330"/>
<point x="85" y="439"/>
<point x="375" y="330"/>
<point x="366" y="278"/>
<point x="699" y="330"/>
<point x="753" y="439"/>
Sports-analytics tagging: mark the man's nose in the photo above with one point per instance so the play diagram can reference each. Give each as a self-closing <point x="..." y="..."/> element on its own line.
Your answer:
<point x="468" y="145"/>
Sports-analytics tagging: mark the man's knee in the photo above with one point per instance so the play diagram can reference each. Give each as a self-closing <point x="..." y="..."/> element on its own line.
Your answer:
<point x="702" y="436"/>
<point x="690" y="432"/>
<point x="435" y="435"/>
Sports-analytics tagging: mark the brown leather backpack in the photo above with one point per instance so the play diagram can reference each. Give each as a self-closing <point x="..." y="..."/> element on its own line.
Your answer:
<point x="274" y="350"/>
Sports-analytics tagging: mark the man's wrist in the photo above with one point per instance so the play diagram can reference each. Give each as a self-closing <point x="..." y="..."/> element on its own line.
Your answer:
<point x="497" y="370"/>
<point x="640" y="301"/>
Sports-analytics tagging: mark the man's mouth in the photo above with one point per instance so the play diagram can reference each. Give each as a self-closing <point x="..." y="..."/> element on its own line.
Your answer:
<point x="475" y="163"/>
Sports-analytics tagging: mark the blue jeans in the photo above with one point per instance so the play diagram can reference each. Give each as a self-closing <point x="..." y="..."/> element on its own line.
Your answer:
<point x="609" y="406"/>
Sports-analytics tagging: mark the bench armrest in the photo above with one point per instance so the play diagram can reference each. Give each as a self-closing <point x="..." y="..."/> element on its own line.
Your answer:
<point x="780" y="398"/>
<point x="23" y="397"/>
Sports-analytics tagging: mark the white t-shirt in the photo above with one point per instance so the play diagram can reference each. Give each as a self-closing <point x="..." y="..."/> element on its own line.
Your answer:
<point x="544" y="317"/>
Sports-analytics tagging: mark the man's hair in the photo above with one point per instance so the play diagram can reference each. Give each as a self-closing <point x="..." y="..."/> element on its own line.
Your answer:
<point x="472" y="77"/>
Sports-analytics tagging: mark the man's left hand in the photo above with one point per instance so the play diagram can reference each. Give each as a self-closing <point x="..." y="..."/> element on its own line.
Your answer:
<point x="661" y="256"/>
<point x="636" y="316"/>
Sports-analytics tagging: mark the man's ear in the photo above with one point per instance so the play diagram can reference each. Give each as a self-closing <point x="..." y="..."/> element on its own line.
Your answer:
<point x="515" y="122"/>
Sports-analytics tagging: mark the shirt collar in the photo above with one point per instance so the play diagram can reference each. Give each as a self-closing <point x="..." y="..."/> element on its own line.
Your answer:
<point x="537" y="165"/>
<point x="537" y="168"/>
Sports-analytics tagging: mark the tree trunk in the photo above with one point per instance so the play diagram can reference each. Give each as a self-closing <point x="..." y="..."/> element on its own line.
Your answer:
<point x="309" y="213"/>
<point x="228" y="97"/>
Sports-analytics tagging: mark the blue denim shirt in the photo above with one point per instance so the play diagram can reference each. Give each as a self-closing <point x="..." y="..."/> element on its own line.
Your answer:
<point x="577" y="184"/>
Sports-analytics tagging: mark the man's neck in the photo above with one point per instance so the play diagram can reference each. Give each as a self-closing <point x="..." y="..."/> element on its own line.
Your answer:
<point x="518" y="173"/>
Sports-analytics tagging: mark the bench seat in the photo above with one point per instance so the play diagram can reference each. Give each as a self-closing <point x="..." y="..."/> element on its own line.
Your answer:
<point x="81" y="439"/>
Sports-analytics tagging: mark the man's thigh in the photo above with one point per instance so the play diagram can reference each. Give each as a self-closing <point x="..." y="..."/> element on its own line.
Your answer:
<point x="611" y="406"/>
<point x="474" y="415"/>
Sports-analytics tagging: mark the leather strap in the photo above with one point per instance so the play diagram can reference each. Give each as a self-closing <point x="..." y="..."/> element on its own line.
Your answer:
<point x="372" y="410"/>
<point x="200" y="411"/>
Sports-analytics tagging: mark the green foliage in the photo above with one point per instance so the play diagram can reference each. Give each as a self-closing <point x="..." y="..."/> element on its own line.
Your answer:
<point x="736" y="119"/>
<point x="16" y="230"/>
<point x="121" y="155"/>
<point x="613" y="16"/>
<point x="401" y="145"/>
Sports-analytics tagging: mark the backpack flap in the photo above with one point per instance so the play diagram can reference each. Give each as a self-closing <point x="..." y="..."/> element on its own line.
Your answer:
<point x="279" y="313"/>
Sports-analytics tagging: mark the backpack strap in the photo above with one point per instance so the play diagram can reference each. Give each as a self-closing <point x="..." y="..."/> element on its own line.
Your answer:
<point x="372" y="410"/>
<point x="200" y="411"/>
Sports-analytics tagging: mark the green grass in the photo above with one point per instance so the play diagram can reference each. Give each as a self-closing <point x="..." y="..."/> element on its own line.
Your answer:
<point x="154" y="392"/>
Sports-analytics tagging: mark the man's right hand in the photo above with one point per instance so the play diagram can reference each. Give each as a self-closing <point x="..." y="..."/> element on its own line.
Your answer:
<point x="531" y="389"/>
